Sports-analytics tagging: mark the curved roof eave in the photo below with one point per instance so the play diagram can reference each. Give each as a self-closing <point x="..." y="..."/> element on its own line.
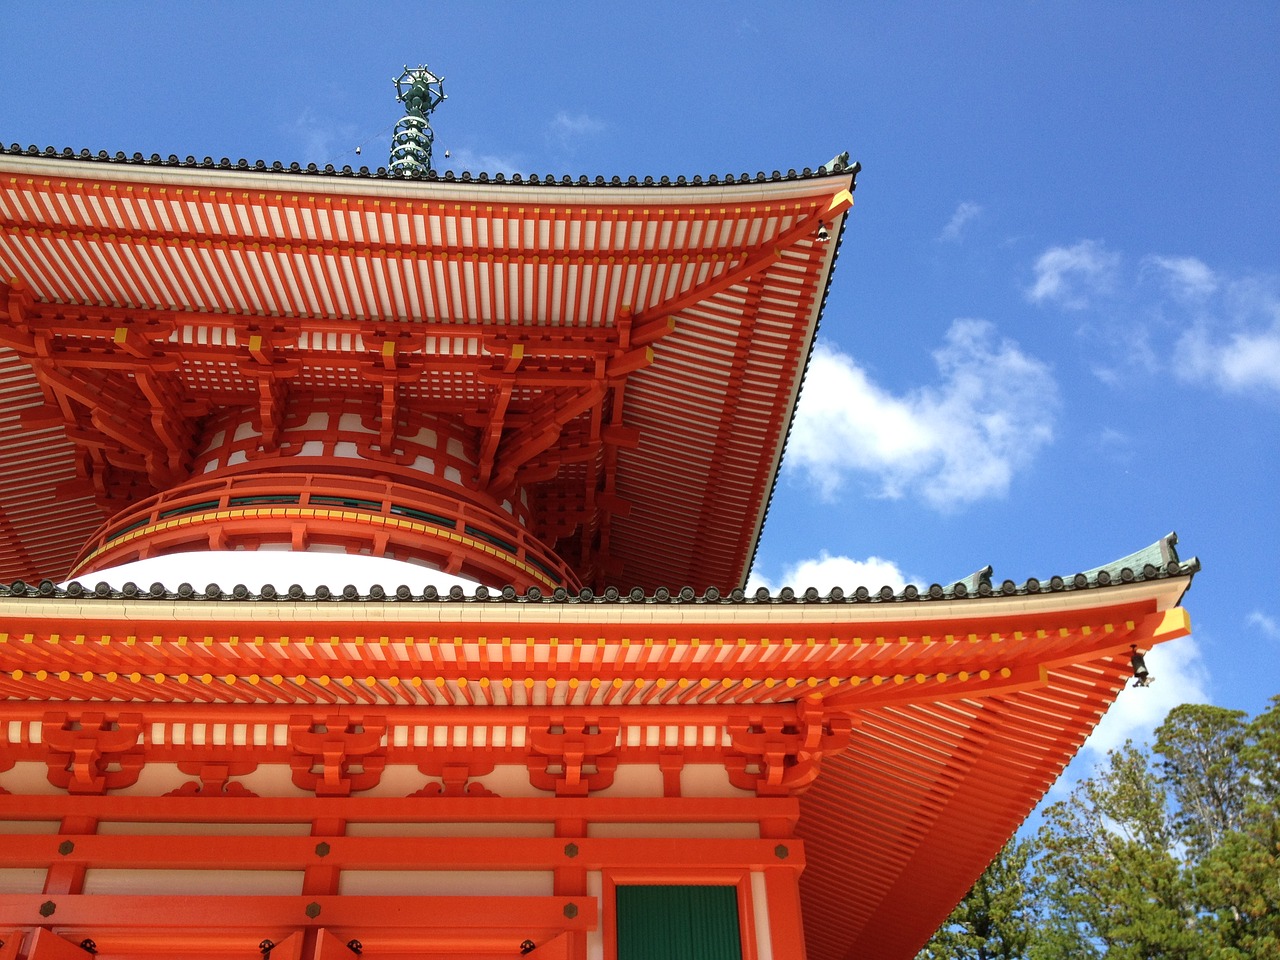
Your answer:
<point x="313" y="175"/>
<point x="1155" y="566"/>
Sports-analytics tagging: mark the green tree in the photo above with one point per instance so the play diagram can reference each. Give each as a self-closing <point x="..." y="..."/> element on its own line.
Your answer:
<point x="1168" y="854"/>
<point x="1108" y="872"/>
<point x="994" y="921"/>
<point x="1204" y="769"/>
<point x="1262" y="754"/>
<point x="1238" y="881"/>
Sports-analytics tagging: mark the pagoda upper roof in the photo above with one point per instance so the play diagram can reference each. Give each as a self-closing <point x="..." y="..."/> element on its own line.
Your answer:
<point x="679" y="313"/>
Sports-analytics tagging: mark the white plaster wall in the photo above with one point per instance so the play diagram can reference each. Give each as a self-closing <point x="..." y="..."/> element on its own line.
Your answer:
<point x="272" y="780"/>
<point x="708" y="780"/>
<point x="448" y="883"/>
<point x="397" y="780"/>
<point x="634" y="780"/>
<point x="129" y="828"/>
<point x="280" y="568"/>
<point x="29" y="826"/>
<point x="154" y="779"/>
<point x="595" y="938"/>
<point x="427" y="829"/>
<point x="736" y="831"/>
<point x="760" y="907"/>
<point x="22" y="880"/>
<point x="194" y="882"/>
<point x="29" y="777"/>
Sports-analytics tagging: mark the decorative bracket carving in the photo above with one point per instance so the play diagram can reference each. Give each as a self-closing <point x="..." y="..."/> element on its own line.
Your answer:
<point x="572" y="755"/>
<point x="775" y="758"/>
<point x="457" y="778"/>
<point x="215" y="779"/>
<point x="336" y="755"/>
<point x="93" y="753"/>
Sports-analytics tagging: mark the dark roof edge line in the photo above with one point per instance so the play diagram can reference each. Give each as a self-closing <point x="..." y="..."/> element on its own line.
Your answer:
<point x="803" y="375"/>
<point x="839" y="166"/>
<point x="1103" y="578"/>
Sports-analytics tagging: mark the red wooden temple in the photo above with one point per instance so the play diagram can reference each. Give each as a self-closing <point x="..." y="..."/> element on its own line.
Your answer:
<point x="570" y="398"/>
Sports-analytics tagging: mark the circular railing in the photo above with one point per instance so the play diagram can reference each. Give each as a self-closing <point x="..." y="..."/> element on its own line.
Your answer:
<point x="365" y="516"/>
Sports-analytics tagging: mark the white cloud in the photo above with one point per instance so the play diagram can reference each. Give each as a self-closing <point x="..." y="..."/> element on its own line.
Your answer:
<point x="321" y="141"/>
<point x="1116" y="446"/>
<point x="1266" y="624"/>
<point x="1132" y="348"/>
<point x="1071" y="276"/>
<point x="826" y="571"/>
<point x="959" y="441"/>
<point x="1188" y="277"/>
<point x="1175" y="314"/>
<point x="477" y="162"/>
<point x="567" y="130"/>
<point x="1232" y="336"/>
<point x="965" y="212"/>
<point x="1112" y="439"/>
<point x="1180" y="676"/>
<point x="1238" y="361"/>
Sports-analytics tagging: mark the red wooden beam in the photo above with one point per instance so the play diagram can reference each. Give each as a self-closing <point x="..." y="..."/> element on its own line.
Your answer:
<point x="266" y="912"/>
<point x="219" y="851"/>
<point x="141" y="809"/>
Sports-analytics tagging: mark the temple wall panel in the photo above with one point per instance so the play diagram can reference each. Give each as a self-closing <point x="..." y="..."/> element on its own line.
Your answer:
<point x="236" y="869"/>
<point x="450" y="883"/>
<point x="196" y="828"/>
<point x="152" y="882"/>
<point x="674" y="829"/>
<point x="429" y="828"/>
<point x="21" y="879"/>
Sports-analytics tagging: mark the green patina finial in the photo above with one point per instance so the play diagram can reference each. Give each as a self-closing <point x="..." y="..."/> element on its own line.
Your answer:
<point x="421" y="91"/>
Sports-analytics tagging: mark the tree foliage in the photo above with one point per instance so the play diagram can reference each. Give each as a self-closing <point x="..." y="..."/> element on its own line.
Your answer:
<point x="993" y="921"/>
<point x="1169" y="852"/>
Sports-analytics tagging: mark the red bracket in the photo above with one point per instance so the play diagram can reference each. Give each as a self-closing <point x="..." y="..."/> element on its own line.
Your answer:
<point x="215" y="779"/>
<point x="455" y="776"/>
<point x="336" y="756"/>
<point x="778" y="758"/>
<point x="572" y="755"/>
<point x="93" y="753"/>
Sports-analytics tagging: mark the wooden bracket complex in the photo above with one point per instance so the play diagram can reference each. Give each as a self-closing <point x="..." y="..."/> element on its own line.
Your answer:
<point x="572" y="755"/>
<point x="336" y="755"/>
<point x="776" y="758"/>
<point x="93" y="753"/>
<point x="457" y="778"/>
<point x="214" y="779"/>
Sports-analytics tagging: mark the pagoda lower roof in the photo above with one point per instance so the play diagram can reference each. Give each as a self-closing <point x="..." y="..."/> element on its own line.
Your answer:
<point x="659" y="330"/>
<point x="961" y="705"/>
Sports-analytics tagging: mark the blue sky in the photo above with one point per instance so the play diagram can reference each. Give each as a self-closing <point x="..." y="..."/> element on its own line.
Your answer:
<point x="1054" y="332"/>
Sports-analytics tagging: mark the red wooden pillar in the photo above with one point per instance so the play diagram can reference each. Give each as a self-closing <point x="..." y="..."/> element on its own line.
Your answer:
<point x="320" y="880"/>
<point x="64" y="878"/>
<point x="786" y="932"/>
<point x="570" y="881"/>
<point x="10" y="942"/>
<point x="328" y="947"/>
